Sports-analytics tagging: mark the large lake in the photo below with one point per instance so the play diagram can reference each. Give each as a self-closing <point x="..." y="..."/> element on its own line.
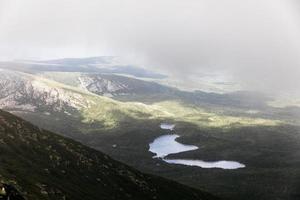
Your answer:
<point x="167" y="144"/>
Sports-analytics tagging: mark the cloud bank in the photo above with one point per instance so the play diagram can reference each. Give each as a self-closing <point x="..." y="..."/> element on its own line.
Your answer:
<point x="257" y="42"/>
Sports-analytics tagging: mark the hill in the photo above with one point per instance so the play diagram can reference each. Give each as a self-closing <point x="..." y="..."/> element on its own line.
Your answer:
<point x="43" y="165"/>
<point x="117" y="115"/>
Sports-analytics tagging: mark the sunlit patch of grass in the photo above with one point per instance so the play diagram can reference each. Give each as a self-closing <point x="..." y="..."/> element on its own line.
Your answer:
<point x="111" y="113"/>
<point x="200" y="117"/>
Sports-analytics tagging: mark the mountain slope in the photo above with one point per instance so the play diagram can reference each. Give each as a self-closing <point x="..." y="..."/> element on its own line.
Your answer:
<point x="34" y="94"/>
<point x="113" y="84"/>
<point x="43" y="165"/>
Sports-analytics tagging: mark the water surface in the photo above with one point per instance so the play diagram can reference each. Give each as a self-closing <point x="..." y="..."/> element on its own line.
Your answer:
<point x="167" y="144"/>
<point x="167" y="126"/>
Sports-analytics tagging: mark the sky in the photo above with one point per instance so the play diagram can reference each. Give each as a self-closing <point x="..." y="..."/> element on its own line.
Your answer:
<point x="257" y="42"/>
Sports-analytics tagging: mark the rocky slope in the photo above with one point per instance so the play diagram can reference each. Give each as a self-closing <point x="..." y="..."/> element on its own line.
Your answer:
<point x="26" y="92"/>
<point x="114" y="85"/>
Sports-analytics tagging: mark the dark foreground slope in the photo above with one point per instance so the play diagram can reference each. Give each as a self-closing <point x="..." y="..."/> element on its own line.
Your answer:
<point x="43" y="165"/>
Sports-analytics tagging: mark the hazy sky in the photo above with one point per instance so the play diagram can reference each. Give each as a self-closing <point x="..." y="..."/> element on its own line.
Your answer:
<point x="256" y="41"/>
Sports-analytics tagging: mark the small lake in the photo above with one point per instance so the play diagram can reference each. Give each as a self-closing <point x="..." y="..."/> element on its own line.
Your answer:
<point x="167" y="126"/>
<point x="167" y="144"/>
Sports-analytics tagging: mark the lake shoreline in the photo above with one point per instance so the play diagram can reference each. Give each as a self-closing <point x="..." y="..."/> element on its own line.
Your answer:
<point x="165" y="145"/>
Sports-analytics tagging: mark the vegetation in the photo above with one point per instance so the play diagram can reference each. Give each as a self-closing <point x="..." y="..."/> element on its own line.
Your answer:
<point x="43" y="165"/>
<point x="238" y="126"/>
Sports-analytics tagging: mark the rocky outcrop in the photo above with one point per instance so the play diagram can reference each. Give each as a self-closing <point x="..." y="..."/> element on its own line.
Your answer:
<point x="24" y="92"/>
<point x="113" y="85"/>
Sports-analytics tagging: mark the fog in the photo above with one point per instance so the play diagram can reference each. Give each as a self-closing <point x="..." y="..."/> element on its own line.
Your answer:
<point x="256" y="42"/>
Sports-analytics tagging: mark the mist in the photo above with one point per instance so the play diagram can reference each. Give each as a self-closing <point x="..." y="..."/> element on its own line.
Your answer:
<point x="256" y="42"/>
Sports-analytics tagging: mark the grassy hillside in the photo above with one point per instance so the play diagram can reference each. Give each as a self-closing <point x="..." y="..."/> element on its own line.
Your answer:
<point x="43" y="165"/>
<point x="48" y="96"/>
<point x="239" y="105"/>
<point x="112" y="112"/>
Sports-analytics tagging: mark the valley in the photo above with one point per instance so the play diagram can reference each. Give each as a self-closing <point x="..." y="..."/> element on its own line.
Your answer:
<point x="44" y="165"/>
<point x="149" y="100"/>
<point x="121" y="115"/>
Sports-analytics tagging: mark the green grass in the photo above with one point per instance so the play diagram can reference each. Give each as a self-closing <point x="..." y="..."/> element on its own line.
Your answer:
<point x="111" y="113"/>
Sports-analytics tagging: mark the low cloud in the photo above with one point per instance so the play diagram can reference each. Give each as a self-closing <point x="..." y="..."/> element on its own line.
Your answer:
<point x="256" y="42"/>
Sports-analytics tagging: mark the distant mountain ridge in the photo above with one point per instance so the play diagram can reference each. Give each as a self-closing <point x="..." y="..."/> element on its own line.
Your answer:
<point x="104" y="64"/>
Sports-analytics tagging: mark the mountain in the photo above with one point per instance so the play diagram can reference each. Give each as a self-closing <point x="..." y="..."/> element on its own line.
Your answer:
<point x="119" y="85"/>
<point x="104" y="64"/>
<point x="43" y="165"/>
<point x="80" y="107"/>
<point x="107" y="84"/>
<point x="116" y="114"/>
